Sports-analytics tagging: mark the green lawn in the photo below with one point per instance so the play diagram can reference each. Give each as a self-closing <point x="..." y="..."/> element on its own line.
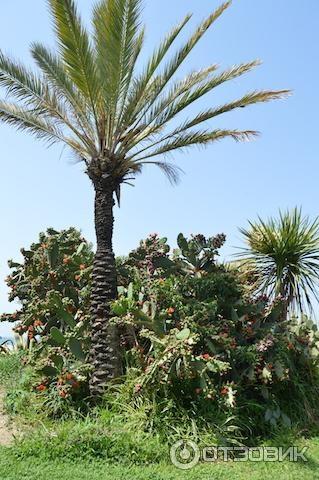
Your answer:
<point x="35" y="467"/>
<point x="12" y="468"/>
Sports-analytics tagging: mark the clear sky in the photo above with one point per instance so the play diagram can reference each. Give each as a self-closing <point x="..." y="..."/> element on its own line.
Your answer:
<point x="224" y="185"/>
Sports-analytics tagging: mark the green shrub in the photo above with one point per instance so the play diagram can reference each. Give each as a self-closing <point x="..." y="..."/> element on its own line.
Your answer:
<point x="196" y="339"/>
<point x="201" y="357"/>
<point x="52" y="285"/>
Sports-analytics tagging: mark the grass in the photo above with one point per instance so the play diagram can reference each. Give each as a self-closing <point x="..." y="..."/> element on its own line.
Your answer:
<point x="12" y="468"/>
<point x="105" y="448"/>
<point x="10" y="369"/>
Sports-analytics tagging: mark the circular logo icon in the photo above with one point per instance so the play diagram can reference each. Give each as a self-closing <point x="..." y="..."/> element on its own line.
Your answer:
<point x="184" y="454"/>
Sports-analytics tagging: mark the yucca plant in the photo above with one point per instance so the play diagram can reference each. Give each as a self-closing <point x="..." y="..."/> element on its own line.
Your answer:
<point x="283" y="253"/>
<point x="116" y="118"/>
<point x="20" y="343"/>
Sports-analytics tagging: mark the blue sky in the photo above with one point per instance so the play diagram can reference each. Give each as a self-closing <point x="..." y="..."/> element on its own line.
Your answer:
<point x="224" y="185"/>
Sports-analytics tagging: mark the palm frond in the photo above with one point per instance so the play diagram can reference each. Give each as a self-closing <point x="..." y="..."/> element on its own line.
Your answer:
<point x="171" y="171"/>
<point x="116" y="31"/>
<point x="76" y="50"/>
<point x="198" y="138"/>
<point x="161" y="118"/>
<point x="136" y="50"/>
<point x="160" y="82"/>
<point x="34" y="93"/>
<point x="248" y="99"/>
<point x="139" y="89"/>
<point x="57" y="78"/>
<point x="178" y="89"/>
<point x="19" y="82"/>
<point x="41" y="128"/>
<point x="202" y="89"/>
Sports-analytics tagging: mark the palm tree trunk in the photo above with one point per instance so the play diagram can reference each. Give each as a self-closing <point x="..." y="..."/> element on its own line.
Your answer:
<point x="104" y="354"/>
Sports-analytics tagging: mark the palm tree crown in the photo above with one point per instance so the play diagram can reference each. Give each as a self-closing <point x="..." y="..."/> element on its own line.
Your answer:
<point x="89" y="96"/>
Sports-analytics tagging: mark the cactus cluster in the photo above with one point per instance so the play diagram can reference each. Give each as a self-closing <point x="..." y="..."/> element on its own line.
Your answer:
<point x="52" y="285"/>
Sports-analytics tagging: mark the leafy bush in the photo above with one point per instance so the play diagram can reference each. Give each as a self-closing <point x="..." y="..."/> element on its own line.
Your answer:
<point x="202" y="357"/>
<point x="194" y="337"/>
<point x="52" y="285"/>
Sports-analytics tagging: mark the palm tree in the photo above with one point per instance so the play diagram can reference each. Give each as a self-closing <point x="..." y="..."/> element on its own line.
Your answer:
<point x="90" y="96"/>
<point x="283" y="253"/>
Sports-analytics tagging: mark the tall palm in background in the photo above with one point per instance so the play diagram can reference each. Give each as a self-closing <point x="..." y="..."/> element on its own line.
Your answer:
<point x="283" y="253"/>
<point x="90" y="96"/>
